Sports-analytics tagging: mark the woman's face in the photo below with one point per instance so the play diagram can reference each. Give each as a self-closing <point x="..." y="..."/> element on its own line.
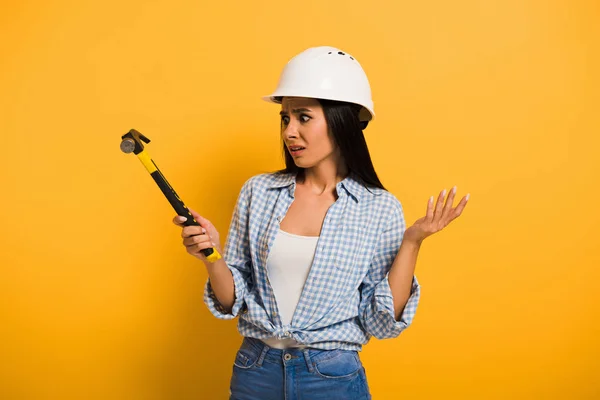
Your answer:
<point x="303" y="125"/>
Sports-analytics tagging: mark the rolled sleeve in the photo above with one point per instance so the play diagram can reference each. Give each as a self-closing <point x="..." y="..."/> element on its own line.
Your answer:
<point x="384" y="321"/>
<point x="240" y="293"/>
<point x="237" y="258"/>
<point x="376" y="309"/>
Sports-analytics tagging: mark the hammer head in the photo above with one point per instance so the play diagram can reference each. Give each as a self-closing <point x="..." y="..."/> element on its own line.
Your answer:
<point x="132" y="142"/>
<point x="127" y="145"/>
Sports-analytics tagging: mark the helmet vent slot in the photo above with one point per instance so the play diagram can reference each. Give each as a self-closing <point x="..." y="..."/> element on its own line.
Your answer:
<point x="343" y="54"/>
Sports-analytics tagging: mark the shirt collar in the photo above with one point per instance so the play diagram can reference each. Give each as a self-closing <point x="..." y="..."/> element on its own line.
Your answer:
<point x="350" y="184"/>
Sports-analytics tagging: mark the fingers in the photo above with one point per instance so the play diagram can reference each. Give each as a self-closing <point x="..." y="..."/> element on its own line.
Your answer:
<point x="196" y="239"/>
<point x="192" y="230"/>
<point x="429" y="212"/>
<point x="196" y="243"/>
<point x="179" y="220"/>
<point x="459" y="208"/>
<point x="195" y="248"/>
<point x="439" y="205"/>
<point x="448" y="206"/>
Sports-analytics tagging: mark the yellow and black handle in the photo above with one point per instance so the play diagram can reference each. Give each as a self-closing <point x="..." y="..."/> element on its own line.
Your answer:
<point x="131" y="142"/>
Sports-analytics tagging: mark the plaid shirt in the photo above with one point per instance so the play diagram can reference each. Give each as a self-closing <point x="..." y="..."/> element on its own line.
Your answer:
<point x="347" y="297"/>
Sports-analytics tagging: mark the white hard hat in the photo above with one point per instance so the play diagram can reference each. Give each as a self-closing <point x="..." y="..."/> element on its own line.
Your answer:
<point x="326" y="73"/>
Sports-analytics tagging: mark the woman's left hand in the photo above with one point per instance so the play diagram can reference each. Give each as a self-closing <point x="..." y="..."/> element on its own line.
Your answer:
<point x="437" y="219"/>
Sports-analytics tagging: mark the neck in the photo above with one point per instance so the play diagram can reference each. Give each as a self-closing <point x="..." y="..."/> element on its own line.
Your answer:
<point x="321" y="179"/>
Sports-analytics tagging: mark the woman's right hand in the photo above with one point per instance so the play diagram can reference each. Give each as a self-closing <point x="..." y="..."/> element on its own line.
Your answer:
<point x="197" y="238"/>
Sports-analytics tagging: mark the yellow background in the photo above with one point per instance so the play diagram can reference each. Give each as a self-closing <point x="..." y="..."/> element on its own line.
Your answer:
<point x="99" y="300"/>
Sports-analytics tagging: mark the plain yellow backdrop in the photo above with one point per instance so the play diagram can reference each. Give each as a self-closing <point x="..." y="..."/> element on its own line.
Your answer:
<point x="98" y="298"/>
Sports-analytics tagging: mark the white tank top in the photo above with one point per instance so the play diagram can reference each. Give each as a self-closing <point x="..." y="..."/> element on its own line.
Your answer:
<point x="288" y="265"/>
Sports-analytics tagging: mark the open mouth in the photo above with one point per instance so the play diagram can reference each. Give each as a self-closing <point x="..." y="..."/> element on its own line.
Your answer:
<point x="296" y="150"/>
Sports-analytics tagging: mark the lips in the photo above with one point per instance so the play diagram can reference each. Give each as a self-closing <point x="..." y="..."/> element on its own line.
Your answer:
<point x="296" y="150"/>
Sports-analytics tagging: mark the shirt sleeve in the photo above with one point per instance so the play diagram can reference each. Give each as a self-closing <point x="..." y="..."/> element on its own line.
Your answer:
<point x="376" y="309"/>
<point x="237" y="257"/>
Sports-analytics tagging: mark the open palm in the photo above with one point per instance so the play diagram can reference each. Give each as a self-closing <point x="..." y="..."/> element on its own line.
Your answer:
<point x="436" y="219"/>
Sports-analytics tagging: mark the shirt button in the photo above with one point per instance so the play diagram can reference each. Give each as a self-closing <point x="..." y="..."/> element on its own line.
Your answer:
<point x="287" y="356"/>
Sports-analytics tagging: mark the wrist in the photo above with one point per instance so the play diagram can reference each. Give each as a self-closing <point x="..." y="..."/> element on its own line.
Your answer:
<point x="412" y="243"/>
<point x="212" y="266"/>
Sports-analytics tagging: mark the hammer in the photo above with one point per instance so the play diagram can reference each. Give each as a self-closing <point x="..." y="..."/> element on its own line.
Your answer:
<point x="131" y="142"/>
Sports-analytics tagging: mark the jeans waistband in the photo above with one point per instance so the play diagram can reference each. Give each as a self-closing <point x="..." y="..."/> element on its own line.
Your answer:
<point x="290" y="356"/>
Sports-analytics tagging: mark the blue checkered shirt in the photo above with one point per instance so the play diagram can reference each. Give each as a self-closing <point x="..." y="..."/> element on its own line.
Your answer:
<point x="347" y="297"/>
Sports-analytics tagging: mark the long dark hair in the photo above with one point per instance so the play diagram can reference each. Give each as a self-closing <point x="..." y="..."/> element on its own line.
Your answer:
<point x="347" y="130"/>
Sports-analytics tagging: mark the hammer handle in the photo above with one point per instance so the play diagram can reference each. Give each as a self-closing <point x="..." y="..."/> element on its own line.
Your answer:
<point x="180" y="208"/>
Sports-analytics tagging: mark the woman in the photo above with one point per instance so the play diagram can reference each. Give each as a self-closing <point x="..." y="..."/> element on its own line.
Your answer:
<point x="317" y="259"/>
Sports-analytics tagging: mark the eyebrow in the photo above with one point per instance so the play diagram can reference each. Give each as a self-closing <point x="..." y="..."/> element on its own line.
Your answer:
<point x="296" y="111"/>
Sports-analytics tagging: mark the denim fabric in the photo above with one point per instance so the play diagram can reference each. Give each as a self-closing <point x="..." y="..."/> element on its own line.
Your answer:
<point x="264" y="373"/>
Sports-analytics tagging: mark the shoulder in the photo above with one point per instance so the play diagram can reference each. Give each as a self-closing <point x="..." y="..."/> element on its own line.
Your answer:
<point x="260" y="183"/>
<point x="269" y="180"/>
<point x="382" y="200"/>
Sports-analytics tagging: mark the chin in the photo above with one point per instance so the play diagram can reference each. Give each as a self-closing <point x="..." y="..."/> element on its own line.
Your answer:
<point x="302" y="164"/>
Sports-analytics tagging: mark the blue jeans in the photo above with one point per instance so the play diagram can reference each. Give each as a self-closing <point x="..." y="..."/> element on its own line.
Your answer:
<point x="264" y="373"/>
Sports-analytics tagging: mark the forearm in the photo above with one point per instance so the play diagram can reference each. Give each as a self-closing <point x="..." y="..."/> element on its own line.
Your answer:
<point x="221" y="281"/>
<point x="401" y="274"/>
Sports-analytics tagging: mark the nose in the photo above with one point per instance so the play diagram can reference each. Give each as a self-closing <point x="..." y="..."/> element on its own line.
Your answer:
<point x="291" y="130"/>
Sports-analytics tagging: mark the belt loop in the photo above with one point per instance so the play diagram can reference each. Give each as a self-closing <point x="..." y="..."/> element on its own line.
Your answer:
<point x="308" y="360"/>
<point x="263" y="353"/>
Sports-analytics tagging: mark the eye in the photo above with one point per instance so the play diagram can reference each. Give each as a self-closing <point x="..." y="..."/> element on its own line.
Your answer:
<point x="285" y="119"/>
